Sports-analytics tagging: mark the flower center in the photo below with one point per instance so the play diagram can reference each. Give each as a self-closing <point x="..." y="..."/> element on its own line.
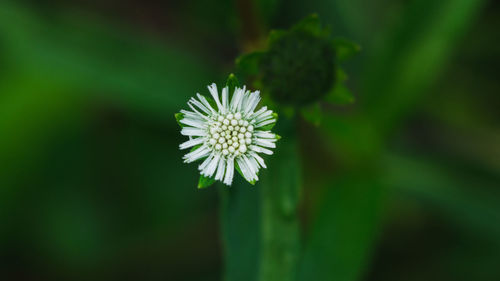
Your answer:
<point x="230" y="134"/>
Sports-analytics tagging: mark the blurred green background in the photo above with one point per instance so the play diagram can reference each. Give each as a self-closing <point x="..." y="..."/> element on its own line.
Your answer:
<point x="402" y="185"/>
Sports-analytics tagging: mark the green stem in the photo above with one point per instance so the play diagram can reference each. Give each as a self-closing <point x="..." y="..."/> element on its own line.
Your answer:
<point x="240" y="228"/>
<point x="259" y="225"/>
<point x="279" y="201"/>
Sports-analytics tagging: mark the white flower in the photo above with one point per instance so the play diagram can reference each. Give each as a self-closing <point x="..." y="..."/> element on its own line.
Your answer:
<point x="230" y="134"/>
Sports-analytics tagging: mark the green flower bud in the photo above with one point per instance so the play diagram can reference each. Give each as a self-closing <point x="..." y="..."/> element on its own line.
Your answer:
<point x="298" y="68"/>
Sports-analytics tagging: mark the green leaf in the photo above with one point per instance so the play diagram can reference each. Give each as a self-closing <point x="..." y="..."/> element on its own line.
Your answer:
<point x="413" y="54"/>
<point x="345" y="49"/>
<point x="232" y="83"/>
<point x="205" y="182"/>
<point x="407" y="62"/>
<point x="312" y="113"/>
<point x="248" y="64"/>
<point x="465" y="198"/>
<point x="343" y="235"/>
<point x="178" y="117"/>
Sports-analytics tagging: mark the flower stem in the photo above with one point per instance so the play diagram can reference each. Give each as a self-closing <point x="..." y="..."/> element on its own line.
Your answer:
<point x="280" y="189"/>
<point x="240" y="229"/>
<point x="259" y="225"/>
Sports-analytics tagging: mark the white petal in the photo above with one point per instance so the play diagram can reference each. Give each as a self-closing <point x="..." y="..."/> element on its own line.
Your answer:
<point x="259" y="159"/>
<point x="262" y="124"/>
<point x="205" y="163"/>
<point x="193" y="122"/>
<point x="201" y="152"/>
<point x="225" y="98"/>
<point x="192" y="115"/>
<point x="252" y="168"/>
<point x="244" y="169"/>
<point x="259" y="149"/>
<point x="259" y="112"/>
<point x="252" y="102"/>
<point x="265" y="135"/>
<point x="264" y="116"/>
<point x="255" y="165"/>
<point x="228" y="180"/>
<point x="220" y="169"/>
<point x="210" y="168"/>
<point x="237" y="97"/>
<point x="197" y="112"/>
<point x="265" y="143"/>
<point x="243" y="100"/>
<point x="206" y="103"/>
<point x="198" y="104"/>
<point x="189" y="131"/>
<point x="213" y="91"/>
<point x="191" y="143"/>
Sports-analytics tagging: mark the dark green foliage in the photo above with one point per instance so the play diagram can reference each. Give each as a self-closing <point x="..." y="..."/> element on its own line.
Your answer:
<point x="401" y="184"/>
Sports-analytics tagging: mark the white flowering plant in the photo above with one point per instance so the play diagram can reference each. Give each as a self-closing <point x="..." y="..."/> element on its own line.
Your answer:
<point x="228" y="133"/>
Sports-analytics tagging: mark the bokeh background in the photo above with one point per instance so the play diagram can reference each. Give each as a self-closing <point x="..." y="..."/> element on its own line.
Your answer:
<point x="402" y="185"/>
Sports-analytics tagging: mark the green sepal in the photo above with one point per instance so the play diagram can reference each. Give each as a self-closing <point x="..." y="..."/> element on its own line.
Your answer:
<point x="275" y="35"/>
<point x="248" y="64"/>
<point x="310" y="24"/>
<point x="232" y="83"/>
<point x="312" y="113"/>
<point x="345" y="49"/>
<point x="275" y="115"/>
<point x="205" y="182"/>
<point x="341" y="75"/>
<point x="178" y="117"/>
<point x="340" y="94"/>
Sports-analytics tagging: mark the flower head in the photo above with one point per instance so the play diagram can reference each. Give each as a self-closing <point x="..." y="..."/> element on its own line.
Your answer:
<point x="228" y="133"/>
